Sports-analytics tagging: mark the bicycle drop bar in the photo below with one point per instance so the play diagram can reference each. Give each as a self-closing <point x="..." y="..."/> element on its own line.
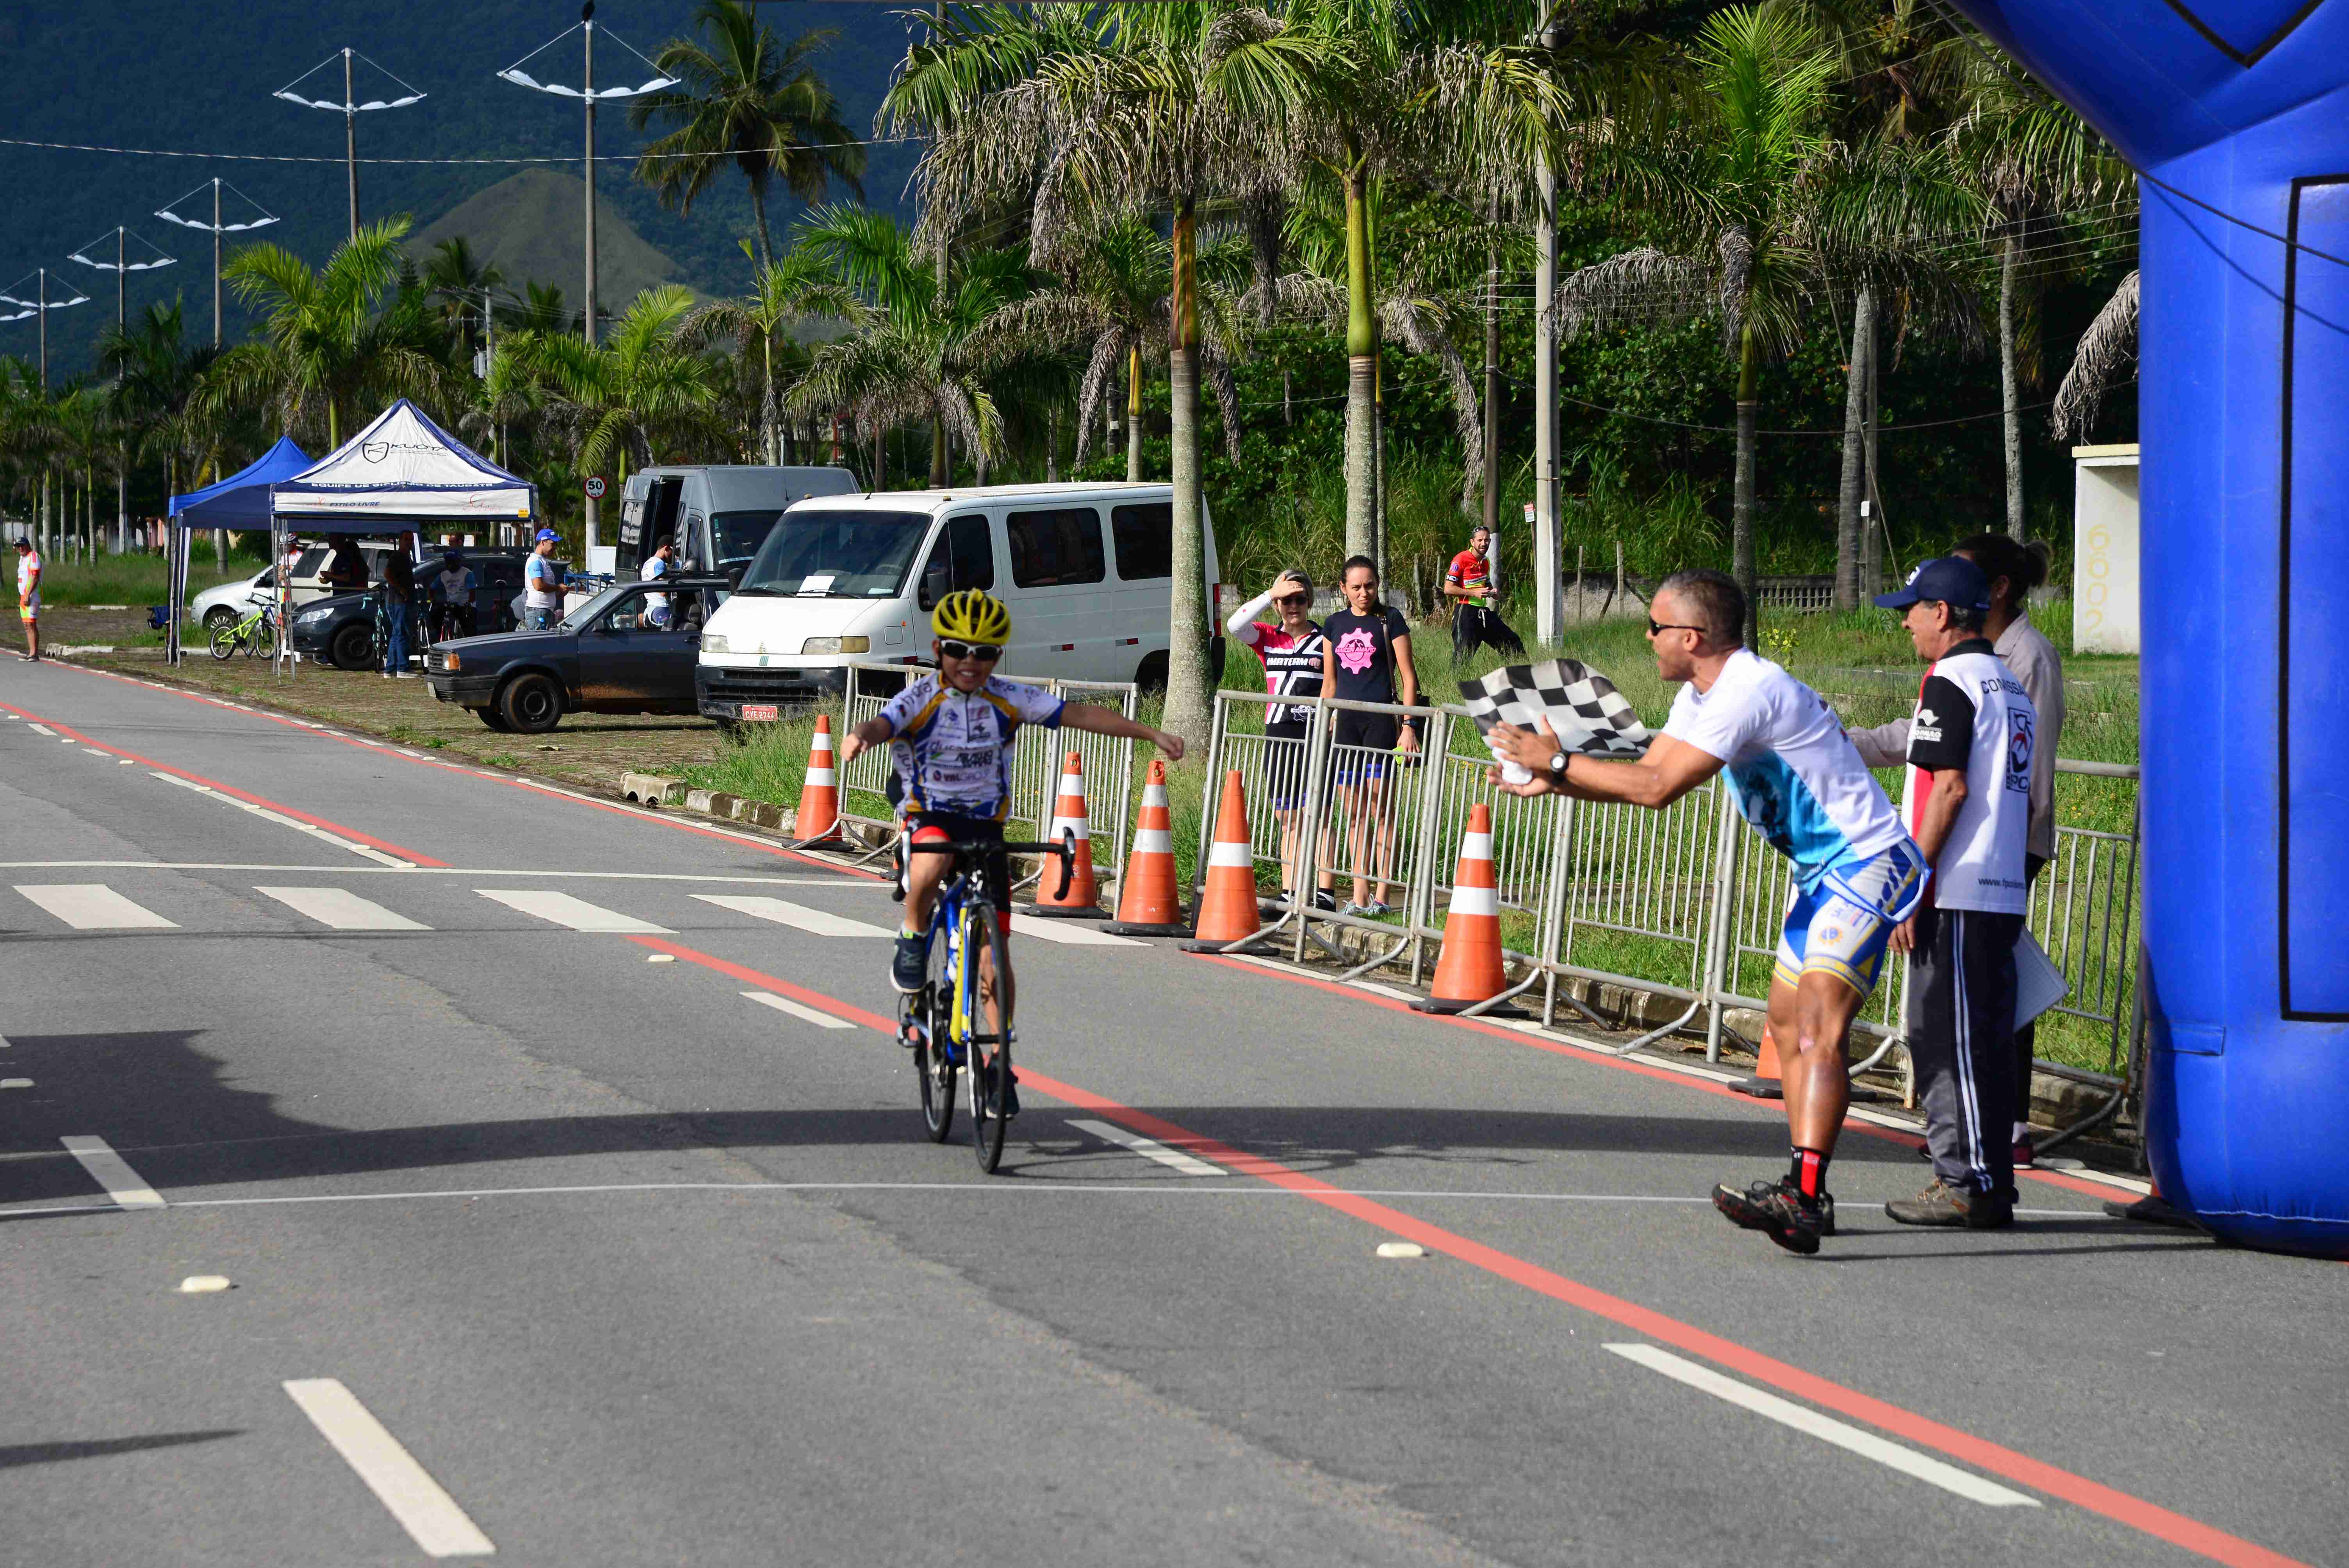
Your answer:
<point x="1064" y="851"/>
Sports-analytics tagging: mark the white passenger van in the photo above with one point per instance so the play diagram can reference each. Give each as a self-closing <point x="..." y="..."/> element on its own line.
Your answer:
<point x="1085" y="570"/>
<point x="719" y="514"/>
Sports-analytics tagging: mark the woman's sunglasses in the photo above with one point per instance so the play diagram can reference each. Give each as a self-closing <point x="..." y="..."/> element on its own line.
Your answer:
<point x="985" y="653"/>
<point x="1295" y="601"/>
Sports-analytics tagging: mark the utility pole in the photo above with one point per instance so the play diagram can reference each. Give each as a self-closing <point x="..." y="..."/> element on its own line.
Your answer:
<point x="1546" y="558"/>
<point x="121" y="451"/>
<point x="46" y="527"/>
<point x="588" y="23"/>
<point x="351" y="140"/>
<point x="216" y="263"/>
<point x="1493" y="380"/>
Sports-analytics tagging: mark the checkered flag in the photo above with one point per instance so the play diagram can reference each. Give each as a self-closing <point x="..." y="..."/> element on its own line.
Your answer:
<point x="1582" y="706"/>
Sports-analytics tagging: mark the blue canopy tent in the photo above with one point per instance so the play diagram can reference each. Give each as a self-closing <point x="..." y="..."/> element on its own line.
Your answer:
<point x="240" y="502"/>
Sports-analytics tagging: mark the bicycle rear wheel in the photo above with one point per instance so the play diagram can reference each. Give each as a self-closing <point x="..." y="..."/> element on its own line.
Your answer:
<point x="264" y="644"/>
<point x="989" y="1065"/>
<point x="930" y="1009"/>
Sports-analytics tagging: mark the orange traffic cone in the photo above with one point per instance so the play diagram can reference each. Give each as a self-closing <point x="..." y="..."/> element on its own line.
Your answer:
<point x="1084" y="897"/>
<point x="1768" y="1080"/>
<point x="819" y="814"/>
<point x="1149" y="902"/>
<point x="1469" y="971"/>
<point x="1227" y="909"/>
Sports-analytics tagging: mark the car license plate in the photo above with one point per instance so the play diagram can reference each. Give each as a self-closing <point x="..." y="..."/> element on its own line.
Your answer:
<point x="759" y="710"/>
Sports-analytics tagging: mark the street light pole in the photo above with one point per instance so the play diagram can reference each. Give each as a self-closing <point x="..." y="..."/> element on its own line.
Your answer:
<point x="121" y="451"/>
<point x="351" y="140"/>
<point x="1547" y="557"/>
<point x="587" y="24"/>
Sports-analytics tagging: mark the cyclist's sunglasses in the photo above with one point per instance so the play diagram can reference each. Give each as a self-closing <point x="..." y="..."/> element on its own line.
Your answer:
<point x="985" y="653"/>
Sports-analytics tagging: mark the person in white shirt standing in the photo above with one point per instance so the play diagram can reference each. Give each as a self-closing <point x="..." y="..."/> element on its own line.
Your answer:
<point x="1968" y="803"/>
<point x="659" y="563"/>
<point x="542" y="584"/>
<point x="28" y="597"/>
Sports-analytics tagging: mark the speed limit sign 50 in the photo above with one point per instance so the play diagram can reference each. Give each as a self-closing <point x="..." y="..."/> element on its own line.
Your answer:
<point x="595" y="487"/>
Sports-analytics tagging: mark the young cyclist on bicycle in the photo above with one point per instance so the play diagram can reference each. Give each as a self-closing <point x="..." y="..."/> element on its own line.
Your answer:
<point x="952" y="734"/>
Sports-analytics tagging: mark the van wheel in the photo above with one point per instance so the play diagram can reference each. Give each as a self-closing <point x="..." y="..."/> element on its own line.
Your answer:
<point x="1152" y="675"/>
<point x="530" y="704"/>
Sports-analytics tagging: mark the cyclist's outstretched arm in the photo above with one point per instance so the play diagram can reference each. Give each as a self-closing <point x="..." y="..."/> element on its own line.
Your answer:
<point x="1094" y="719"/>
<point x="876" y="731"/>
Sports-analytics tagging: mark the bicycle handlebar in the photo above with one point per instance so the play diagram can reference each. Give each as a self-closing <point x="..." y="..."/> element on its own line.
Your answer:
<point x="1064" y="851"/>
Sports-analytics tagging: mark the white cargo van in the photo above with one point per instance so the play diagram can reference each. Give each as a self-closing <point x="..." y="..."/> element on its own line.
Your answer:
<point x="1085" y="570"/>
<point x="719" y="514"/>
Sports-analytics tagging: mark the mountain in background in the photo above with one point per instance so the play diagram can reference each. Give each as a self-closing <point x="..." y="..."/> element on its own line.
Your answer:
<point x="530" y="227"/>
<point x="162" y="74"/>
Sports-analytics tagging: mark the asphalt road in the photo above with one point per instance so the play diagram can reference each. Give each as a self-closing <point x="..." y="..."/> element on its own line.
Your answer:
<point x="553" y="1240"/>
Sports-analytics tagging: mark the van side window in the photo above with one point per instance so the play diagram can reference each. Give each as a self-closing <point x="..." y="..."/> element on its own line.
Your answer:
<point x="1052" y="548"/>
<point x="964" y="557"/>
<point x="1145" y="540"/>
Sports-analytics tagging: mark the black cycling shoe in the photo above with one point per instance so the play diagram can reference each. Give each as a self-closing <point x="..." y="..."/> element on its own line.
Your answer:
<point x="1757" y="1191"/>
<point x="1786" y="1217"/>
<point x="906" y="970"/>
<point x="1011" y="1094"/>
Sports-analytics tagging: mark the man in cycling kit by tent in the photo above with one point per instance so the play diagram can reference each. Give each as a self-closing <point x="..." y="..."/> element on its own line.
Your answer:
<point x="1801" y="784"/>
<point x="952" y="733"/>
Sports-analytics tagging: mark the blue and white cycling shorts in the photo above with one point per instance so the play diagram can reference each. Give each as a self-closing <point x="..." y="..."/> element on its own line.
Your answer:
<point x="1839" y="924"/>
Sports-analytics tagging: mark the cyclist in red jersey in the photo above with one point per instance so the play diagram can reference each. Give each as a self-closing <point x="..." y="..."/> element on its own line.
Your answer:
<point x="1472" y="584"/>
<point x="1291" y="651"/>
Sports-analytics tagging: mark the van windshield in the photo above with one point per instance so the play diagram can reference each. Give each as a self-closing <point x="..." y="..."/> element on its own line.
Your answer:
<point x="837" y="554"/>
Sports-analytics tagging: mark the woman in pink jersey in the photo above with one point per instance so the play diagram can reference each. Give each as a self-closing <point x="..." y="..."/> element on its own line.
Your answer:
<point x="1291" y="651"/>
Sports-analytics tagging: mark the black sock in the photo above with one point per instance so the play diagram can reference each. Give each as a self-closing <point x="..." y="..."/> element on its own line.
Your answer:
<point x="1809" y="1173"/>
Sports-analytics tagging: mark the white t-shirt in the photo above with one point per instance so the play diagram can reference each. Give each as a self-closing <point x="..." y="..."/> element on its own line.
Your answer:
<point x="1972" y="713"/>
<point x="541" y="589"/>
<point x="655" y="603"/>
<point x="28" y="579"/>
<point x="1796" y="778"/>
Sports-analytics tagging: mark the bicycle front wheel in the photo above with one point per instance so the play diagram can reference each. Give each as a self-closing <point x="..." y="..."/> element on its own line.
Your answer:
<point x="991" y="1064"/>
<point x="931" y="1009"/>
<point x="224" y="642"/>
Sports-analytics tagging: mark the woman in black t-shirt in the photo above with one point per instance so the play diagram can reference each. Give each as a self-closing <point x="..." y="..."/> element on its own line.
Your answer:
<point x="1366" y="657"/>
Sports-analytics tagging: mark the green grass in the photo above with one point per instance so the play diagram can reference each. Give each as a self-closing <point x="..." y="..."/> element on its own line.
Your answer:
<point x="136" y="580"/>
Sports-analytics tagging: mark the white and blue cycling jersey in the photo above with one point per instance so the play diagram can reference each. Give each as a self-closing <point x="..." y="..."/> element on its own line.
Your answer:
<point x="954" y="749"/>
<point x="1797" y="778"/>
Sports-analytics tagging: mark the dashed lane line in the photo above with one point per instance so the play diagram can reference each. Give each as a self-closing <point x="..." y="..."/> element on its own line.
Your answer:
<point x="281" y="820"/>
<point x="797" y="1010"/>
<point x="423" y="1508"/>
<point x="94" y="906"/>
<point x="562" y="909"/>
<point x="340" y="909"/>
<point x="1826" y="1429"/>
<point x="1069" y="932"/>
<point x="1148" y="1148"/>
<point x="111" y="1171"/>
<point x="814" y="922"/>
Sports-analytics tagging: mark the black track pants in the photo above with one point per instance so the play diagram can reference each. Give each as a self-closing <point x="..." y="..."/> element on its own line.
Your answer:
<point x="1961" y="1036"/>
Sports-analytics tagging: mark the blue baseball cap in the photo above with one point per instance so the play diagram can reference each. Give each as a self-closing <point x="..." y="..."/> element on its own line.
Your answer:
<point x="1945" y="579"/>
<point x="548" y="535"/>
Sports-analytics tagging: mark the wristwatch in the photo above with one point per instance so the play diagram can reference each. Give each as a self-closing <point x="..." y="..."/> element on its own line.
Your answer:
<point x="1558" y="764"/>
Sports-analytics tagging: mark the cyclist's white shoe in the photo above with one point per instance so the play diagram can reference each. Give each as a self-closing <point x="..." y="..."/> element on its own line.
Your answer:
<point x="906" y="970"/>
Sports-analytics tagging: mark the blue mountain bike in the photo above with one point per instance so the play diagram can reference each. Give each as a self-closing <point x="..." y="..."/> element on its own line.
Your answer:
<point x="959" y="1022"/>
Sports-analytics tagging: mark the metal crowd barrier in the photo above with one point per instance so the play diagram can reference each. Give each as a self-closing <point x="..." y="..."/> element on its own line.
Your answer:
<point x="1035" y="764"/>
<point x="1686" y="902"/>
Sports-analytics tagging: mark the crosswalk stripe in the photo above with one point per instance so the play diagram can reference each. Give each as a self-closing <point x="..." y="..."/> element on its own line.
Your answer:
<point x="113" y="1172"/>
<point x="342" y="909"/>
<point x="806" y="1015"/>
<point x="577" y="913"/>
<point x="1148" y="1148"/>
<point x="815" y="922"/>
<point x="1069" y="932"/>
<point x="94" y="906"/>
<point x="423" y="1507"/>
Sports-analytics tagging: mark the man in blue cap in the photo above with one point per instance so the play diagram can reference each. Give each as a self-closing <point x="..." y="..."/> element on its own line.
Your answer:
<point x="542" y="584"/>
<point x="1968" y="806"/>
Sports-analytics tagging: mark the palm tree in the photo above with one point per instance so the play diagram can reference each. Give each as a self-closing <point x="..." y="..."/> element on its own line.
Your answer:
<point x="336" y="342"/>
<point x="1768" y="213"/>
<point x="460" y="281"/>
<point x="2108" y="346"/>
<point x="2029" y="156"/>
<point x="798" y="287"/>
<point x="745" y="97"/>
<point x="642" y="390"/>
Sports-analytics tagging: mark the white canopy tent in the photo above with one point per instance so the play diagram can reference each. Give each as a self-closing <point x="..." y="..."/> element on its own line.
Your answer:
<point x="402" y="474"/>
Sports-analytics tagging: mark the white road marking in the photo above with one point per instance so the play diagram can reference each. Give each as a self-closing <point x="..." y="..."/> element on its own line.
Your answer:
<point x="16" y="1083"/>
<point x="1070" y="933"/>
<point x="1826" y="1429"/>
<point x="94" y="906"/>
<point x="342" y="909"/>
<point x="423" y="1509"/>
<point x="45" y="729"/>
<point x="281" y="819"/>
<point x="94" y="751"/>
<point x="562" y="909"/>
<point x="403" y="869"/>
<point x="67" y="740"/>
<point x="813" y="921"/>
<point x="1148" y="1148"/>
<point x="109" y="1171"/>
<point x="823" y="1020"/>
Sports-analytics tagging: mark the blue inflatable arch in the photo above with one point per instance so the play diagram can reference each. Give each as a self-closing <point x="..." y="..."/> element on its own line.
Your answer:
<point x="2237" y="111"/>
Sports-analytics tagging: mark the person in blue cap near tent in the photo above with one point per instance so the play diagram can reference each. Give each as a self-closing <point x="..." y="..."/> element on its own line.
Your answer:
<point x="542" y="584"/>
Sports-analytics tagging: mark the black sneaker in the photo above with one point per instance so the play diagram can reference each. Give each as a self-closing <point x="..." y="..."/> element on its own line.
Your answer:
<point x="1952" y="1208"/>
<point x="1757" y="1191"/>
<point x="1324" y="899"/>
<point x="906" y="970"/>
<point x="1786" y="1217"/>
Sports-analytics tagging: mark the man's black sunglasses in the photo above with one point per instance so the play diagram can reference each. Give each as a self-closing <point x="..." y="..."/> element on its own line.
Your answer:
<point x="985" y="653"/>
<point x="1654" y="629"/>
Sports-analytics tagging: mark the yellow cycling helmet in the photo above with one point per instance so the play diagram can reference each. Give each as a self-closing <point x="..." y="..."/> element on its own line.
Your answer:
<point x="971" y="617"/>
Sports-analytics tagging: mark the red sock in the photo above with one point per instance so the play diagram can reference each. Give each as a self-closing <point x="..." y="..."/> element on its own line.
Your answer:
<point x="1808" y="1172"/>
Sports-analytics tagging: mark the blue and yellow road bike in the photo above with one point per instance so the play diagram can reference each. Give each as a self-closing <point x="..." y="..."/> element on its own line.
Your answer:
<point x="958" y="1024"/>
